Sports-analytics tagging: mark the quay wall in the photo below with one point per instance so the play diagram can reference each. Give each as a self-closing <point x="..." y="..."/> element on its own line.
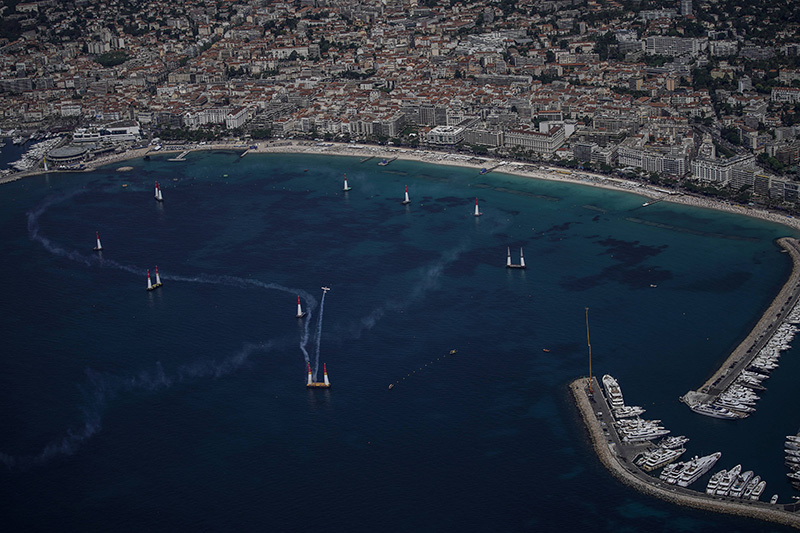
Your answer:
<point x="649" y="485"/>
<point x="748" y="349"/>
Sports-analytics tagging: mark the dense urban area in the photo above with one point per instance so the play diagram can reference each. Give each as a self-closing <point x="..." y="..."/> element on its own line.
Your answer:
<point x="700" y="95"/>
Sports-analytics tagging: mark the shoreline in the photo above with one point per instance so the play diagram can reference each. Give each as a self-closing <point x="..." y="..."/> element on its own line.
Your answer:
<point x="605" y="448"/>
<point x="542" y="170"/>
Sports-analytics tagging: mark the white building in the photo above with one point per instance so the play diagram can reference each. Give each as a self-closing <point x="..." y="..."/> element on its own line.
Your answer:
<point x="445" y="135"/>
<point x="720" y="171"/>
<point x="236" y="118"/>
<point x="529" y="139"/>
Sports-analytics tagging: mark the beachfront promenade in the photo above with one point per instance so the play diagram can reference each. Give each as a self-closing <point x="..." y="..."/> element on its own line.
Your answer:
<point x="763" y="331"/>
<point x="367" y="152"/>
<point x="618" y="458"/>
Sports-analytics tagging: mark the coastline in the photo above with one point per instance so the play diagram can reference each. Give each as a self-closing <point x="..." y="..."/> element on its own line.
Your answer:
<point x="646" y="484"/>
<point x="540" y="171"/>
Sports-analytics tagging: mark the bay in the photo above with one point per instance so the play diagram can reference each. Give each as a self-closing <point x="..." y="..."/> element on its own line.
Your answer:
<point x="184" y="407"/>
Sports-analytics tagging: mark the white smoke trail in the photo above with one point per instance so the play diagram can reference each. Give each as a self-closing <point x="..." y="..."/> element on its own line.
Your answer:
<point x="33" y="231"/>
<point x="102" y="388"/>
<point x="304" y="337"/>
<point x="319" y="333"/>
<point x="427" y="281"/>
<point x="105" y="387"/>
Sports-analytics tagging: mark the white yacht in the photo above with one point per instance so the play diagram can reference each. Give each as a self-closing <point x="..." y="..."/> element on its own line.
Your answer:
<point x="715" y="411"/>
<point x="759" y="490"/>
<point x="739" y="484"/>
<point x="714" y="482"/>
<point x="613" y="392"/>
<point x="697" y="467"/>
<point x="724" y="486"/>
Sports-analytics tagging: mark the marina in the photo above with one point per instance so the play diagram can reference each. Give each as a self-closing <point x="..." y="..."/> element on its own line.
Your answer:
<point x="673" y="483"/>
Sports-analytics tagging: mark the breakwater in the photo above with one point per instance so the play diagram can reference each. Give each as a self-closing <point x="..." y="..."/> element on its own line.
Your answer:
<point x="743" y="355"/>
<point x="618" y="460"/>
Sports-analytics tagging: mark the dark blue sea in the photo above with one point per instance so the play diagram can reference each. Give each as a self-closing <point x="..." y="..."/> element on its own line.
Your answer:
<point x="185" y="408"/>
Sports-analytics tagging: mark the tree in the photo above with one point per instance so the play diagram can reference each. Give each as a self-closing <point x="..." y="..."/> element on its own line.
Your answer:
<point x="113" y="58"/>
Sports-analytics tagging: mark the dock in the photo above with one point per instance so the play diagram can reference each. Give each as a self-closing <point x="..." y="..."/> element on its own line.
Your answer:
<point x="487" y="170"/>
<point x="618" y="457"/>
<point x="181" y="157"/>
<point x="744" y="354"/>
<point x="651" y="202"/>
<point x="385" y="162"/>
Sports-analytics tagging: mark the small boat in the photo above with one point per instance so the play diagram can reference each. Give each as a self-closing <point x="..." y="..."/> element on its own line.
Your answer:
<point x="346" y="186"/>
<point x="546" y="350"/>
<point x="774" y="499"/>
<point x="391" y="386"/>
<point x="653" y="285"/>
<point x="453" y="351"/>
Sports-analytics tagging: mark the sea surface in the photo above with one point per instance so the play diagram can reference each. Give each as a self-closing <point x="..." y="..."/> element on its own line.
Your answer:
<point x="185" y="408"/>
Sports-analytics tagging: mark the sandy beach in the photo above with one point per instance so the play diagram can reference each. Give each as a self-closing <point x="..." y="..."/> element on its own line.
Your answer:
<point x="539" y="170"/>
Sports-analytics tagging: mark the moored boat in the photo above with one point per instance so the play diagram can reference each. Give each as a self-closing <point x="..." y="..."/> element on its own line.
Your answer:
<point x="715" y="480"/>
<point x="715" y="411"/>
<point x="697" y="467"/>
<point x="613" y="392"/>
<point x="759" y="490"/>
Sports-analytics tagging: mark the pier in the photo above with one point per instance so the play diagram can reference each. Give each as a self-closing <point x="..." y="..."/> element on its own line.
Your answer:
<point x="764" y="330"/>
<point x="181" y="157"/>
<point x="364" y="160"/>
<point x="651" y="202"/>
<point x="618" y="457"/>
<point x="487" y="170"/>
<point x="385" y="162"/>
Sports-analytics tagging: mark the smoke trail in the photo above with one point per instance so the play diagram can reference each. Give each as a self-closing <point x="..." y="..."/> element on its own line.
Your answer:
<point x="319" y="333"/>
<point x="428" y="280"/>
<point x="304" y="337"/>
<point x="33" y="231"/>
<point x="102" y="388"/>
<point x="92" y="260"/>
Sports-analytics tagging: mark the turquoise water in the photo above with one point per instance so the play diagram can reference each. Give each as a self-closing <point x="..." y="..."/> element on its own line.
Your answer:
<point x="185" y="407"/>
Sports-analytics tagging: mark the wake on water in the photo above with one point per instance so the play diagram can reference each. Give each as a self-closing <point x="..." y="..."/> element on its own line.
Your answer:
<point x="104" y="387"/>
